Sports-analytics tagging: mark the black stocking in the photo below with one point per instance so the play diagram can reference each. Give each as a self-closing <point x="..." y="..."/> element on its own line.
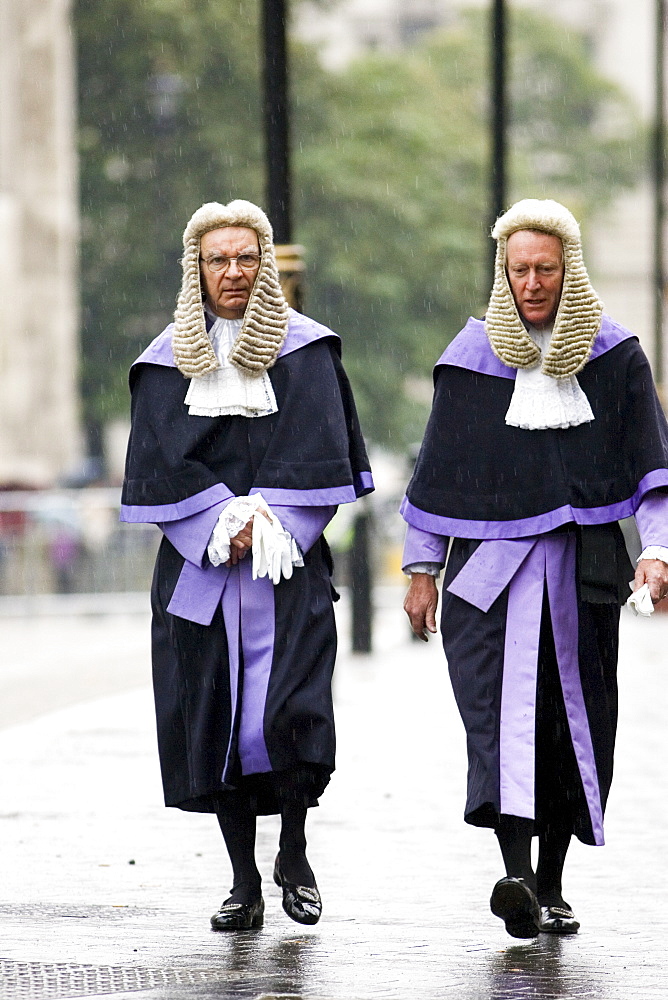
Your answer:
<point x="237" y="822"/>
<point x="514" y="834"/>
<point x="292" y="844"/>
<point x="553" y="845"/>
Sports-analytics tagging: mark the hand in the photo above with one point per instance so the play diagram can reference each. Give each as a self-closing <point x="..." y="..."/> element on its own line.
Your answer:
<point x="421" y="603"/>
<point x="240" y="544"/>
<point x="653" y="572"/>
<point x="243" y="541"/>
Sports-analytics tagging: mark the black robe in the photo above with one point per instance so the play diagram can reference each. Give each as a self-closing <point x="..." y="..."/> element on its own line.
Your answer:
<point x="536" y="572"/>
<point x="242" y="668"/>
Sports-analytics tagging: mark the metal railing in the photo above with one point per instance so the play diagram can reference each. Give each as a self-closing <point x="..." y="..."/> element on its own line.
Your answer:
<point x="71" y="542"/>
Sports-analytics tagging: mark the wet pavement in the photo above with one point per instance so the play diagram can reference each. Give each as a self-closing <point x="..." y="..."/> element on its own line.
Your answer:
<point x="105" y="892"/>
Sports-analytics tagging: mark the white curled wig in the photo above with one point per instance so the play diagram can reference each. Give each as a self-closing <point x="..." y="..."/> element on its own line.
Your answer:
<point x="265" y="323"/>
<point x="578" y="318"/>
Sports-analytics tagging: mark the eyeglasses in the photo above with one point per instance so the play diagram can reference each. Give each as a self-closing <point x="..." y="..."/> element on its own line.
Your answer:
<point x="246" y="261"/>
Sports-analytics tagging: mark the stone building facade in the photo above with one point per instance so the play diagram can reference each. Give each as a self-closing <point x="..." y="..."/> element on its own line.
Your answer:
<point x="40" y="439"/>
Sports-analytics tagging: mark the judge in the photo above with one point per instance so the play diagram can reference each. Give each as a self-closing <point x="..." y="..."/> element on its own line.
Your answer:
<point x="244" y="440"/>
<point x="545" y="431"/>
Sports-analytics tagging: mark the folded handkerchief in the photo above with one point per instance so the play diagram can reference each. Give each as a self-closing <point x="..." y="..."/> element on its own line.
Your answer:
<point x="641" y="602"/>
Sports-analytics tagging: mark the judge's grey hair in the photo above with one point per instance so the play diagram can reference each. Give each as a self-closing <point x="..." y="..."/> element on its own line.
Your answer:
<point x="265" y="322"/>
<point x="578" y="318"/>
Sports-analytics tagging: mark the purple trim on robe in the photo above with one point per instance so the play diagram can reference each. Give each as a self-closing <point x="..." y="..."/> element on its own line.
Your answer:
<point x="175" y="511"/>
<point x="327" y="497"/>
<point x="159" y="351"/>
<point x="305" y="524"/>
<point x="652" y="519"/>
<point x="231" y="606"/>
<point x="551" y="560"/>
<point x="363" y="482"/>
<point x="537" y="525"/>
<point x="422" y="547"/>
<point x="301" y="331"/>
<point x="471" y="349"/>
<point x="257" y="639"/>
<point x="249" y="616"/>
<point x="307" y="498"/>
<point x="517" y="729"/>
<point x="562" y="594"/>
<point x="610" y="334"/>
<point x="489" y="570"/>
<point x="198" y="592"/>
<point x="190" y="536"/>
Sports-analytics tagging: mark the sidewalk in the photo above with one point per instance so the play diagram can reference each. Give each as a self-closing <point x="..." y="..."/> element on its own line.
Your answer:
<point x="105" y="892"/>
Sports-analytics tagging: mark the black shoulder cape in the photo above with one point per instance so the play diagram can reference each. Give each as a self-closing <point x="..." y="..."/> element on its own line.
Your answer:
<point x="311" y="449"/>
<point x="476" y="477"/>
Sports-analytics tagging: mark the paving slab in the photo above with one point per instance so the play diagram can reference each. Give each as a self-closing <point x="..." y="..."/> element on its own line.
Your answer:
<point x="105" y="892"/>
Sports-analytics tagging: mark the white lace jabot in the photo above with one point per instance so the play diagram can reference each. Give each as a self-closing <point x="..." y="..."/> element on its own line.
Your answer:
<point x="228" y="391"/>
<point x="540" y="401"/>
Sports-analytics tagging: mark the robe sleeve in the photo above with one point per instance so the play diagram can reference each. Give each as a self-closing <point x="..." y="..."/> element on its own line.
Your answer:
<point x="423" y="547"/>
<point x="190" y="535"/>
<point x="305" y="524"/>
<point x="652" y="519"/>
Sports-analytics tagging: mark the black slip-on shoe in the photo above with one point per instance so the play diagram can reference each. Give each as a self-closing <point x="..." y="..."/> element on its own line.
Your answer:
<point x="513" y="901"/>
<point x="238" y="916"/>
<point x="300" y="902"/>
<point x="558" y="920"/>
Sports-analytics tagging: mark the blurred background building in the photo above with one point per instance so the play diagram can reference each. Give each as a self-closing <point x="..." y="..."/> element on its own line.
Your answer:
<point x="620" y="37"/>
<point x="118" y="119"/>
<point x="40" y="440"/>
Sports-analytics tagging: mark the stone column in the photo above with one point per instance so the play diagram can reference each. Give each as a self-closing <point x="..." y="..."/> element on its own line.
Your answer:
<point x="40" y="435"/>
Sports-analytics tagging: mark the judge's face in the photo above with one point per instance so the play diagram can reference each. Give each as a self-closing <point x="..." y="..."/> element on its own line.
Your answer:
<point x="535" y="266"/>
<point x="228" y="291"/>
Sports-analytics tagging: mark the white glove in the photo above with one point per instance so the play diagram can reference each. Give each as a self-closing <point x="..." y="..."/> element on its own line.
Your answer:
<point x="640" y="601"/>
<point x="275" y="551"/>
<point x="272" y="555"/>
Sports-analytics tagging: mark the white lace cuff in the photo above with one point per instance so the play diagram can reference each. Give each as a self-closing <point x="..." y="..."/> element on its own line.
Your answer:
<point x="654" y="552"/>
<point x="236" y="516"/>
<point x="430" y="568"/>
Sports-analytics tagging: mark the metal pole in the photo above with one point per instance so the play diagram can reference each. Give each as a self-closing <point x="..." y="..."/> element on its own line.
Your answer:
<point x="659" y="193"/>
<point x="276" y="118"/>
<point x="361" y="584"/>
<point x="498" y="116"/>
<point x="277" y="147"/>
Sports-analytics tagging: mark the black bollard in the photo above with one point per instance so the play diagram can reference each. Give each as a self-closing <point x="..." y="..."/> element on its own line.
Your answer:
<point x="361" y="584"/>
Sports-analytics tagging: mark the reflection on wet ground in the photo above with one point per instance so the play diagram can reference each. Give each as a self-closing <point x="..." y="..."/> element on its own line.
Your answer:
<point x="105" y="892"/>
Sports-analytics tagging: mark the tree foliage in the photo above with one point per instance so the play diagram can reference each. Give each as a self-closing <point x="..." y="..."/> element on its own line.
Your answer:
<point x="169" y="117"/>
<point x="390" y="163"/>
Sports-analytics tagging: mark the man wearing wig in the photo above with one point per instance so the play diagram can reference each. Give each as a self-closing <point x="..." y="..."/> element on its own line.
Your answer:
<point x="244" y="440"/>
<point x="545" y="431"/>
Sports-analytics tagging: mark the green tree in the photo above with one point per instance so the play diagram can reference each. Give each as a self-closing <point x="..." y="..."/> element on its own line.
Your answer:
<point x="169" y="117"/>
<point x="393" y="201"/>
<point x="390" y="161"/>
